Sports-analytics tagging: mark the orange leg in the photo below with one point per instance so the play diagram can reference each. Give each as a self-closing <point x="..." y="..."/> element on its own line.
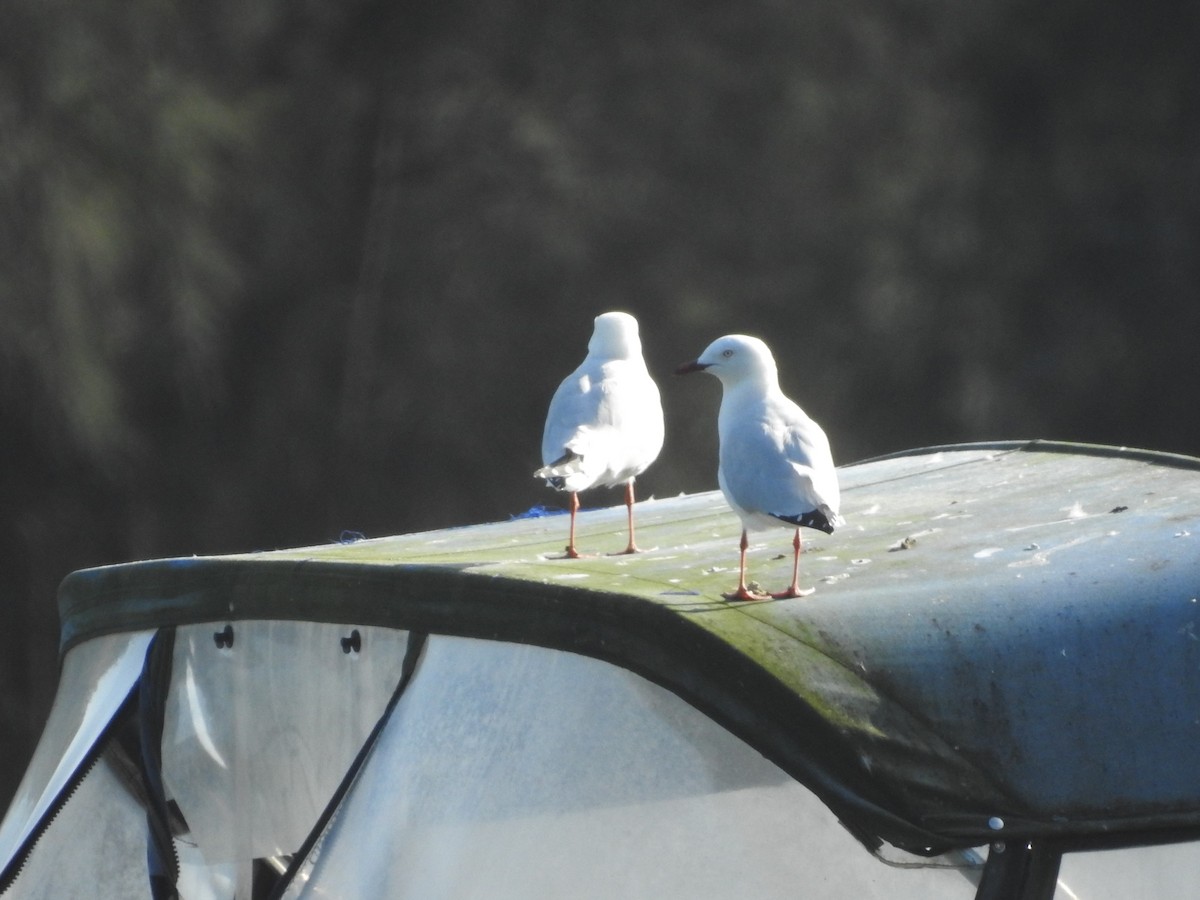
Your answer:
<point x="572" y="553"/>
<point x="793" y="589"/>
<point x="743" y="592"/>
<point x="632" y="548"/>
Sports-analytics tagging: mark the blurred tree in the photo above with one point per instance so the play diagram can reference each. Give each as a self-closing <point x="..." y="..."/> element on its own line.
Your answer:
<point x="154" y="176"/>
<point x="273" y="272"/>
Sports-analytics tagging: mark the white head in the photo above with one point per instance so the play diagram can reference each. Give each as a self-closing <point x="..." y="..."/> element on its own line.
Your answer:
<point x="615" y="336"/>
<point x="735" y="358"/>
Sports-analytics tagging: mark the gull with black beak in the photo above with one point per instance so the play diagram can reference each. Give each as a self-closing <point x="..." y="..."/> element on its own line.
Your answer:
<point x="775" y="468"/>
<point x="605" y="423"/>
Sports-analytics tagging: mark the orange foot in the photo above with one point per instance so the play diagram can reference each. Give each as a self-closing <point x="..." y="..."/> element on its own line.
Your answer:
<point x="794" y="592"/>
<point x="628" y="551"/>
<point x="744" y="593"/>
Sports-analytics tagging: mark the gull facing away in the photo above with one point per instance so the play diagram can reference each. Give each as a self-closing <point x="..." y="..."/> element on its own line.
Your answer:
<point x="775" y="464"/>
<point x="605" y="423"/>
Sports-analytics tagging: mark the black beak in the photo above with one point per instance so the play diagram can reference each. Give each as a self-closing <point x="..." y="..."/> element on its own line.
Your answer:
<point x="689" y="367"/>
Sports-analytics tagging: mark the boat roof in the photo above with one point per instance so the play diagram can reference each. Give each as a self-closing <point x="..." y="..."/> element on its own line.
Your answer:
<point x="1003" y="641"/>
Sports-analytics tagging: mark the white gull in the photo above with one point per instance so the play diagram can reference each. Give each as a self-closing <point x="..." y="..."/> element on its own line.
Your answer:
<point x="605" y="423"/>
<point x="775" y="468"/>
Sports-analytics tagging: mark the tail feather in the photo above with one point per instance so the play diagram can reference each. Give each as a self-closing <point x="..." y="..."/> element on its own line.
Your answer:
<point x="823" y="519"/>
<point x="570" y="463"/>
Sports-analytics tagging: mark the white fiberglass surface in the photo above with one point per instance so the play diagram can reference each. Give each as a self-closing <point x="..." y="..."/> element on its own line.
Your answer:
<point x="94" y="849"/>
<point x="515" y="771"/>
<point x="1167" y="872"/>
<point x="97" y="676"/>
<point x="258" y="735"/>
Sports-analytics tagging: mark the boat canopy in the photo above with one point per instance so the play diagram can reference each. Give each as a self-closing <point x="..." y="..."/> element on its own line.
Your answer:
<point x="1002" y="647"/>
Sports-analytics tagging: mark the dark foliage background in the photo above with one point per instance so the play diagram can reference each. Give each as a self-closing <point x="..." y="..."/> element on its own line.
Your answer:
<point x="269" y="272"/>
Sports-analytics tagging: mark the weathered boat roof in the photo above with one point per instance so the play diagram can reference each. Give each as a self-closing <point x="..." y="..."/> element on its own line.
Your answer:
<point x="1003" y="640"/>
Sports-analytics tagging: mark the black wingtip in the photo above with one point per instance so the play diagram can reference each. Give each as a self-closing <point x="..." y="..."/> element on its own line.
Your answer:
<point x="814" y="519"/>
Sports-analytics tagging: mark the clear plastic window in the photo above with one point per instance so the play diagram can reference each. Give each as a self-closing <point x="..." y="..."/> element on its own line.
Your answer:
<point x="1165" y="872"/>
<point x="515" y="771"/>
<point x="95" y="847"/>
<point x="259" y="732"/>
<point x="96" y="678"/>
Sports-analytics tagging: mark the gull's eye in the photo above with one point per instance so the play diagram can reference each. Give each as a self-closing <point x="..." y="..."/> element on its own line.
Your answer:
<point x="727" y="353"/>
